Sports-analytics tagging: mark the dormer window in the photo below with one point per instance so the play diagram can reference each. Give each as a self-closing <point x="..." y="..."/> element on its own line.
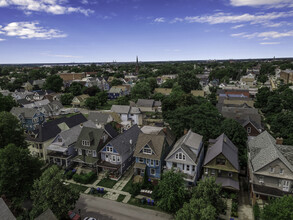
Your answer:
<point x="85" y="143"/>
<point x="180" y="156"/>
<point x="147" y="150"/>
<point x="109" y="149"/>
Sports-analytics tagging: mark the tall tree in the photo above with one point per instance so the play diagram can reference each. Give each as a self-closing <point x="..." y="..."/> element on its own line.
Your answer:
<point x="10" y="131"/>
<point x="6" y="103"/>
<point x="54" y="82"/>
<point x="75" y="88"/>
<point x="50" y="192"/>
<point x="279" y="208"/>
<point x="141" y="90"/>
<point x="18" y="169"/>
<point x="66" y="98"/>
<point x="171" y="192"/>
<point x="188" y="81"/>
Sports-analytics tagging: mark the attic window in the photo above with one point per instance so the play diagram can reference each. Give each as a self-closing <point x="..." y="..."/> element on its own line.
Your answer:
<point x="85" y="143"/>
<point x="248" y="130"/>
<point x="59" y="139"/>
<point x="180" y="156"/>
<point x="220" y="161"/>
<point x="147" y="151"/>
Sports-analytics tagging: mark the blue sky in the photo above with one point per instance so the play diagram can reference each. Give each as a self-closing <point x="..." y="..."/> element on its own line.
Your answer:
<point x="37" y="31"/>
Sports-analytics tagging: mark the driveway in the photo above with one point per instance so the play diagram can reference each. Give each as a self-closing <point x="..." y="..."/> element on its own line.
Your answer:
<point x="245" y="211"/>
<point x="104" y="209"/>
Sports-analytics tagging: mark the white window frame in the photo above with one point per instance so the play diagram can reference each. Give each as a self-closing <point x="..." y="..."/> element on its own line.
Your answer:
<point x="261" y="179"/>
<point x="180" y="156"/>
<point x="109" y="149"/>
<point x="187" y="167"/>
<point x="152" y="162"/>
<point x="141" y="160"/>
<point x="153" y="169"/>
<point x="193" y="168"/>
<point x="157" y="163"/>
<point x="118" y="159"/>
<point x="94" y="153"/>
<point x="280" y="182"/>
<point x="79" y="151"/>
<point x="85" y="143"/>
<point x="147" y="151"/>
<point x="114" y="158"/>
<point x="281" y="171"/>
<point x="89" y="152"/>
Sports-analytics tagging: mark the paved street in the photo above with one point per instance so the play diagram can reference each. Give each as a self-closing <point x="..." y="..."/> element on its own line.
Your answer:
<point x="104" y="209"/>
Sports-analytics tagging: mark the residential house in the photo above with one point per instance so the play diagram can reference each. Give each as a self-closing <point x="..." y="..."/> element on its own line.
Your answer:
<point x="270" y="167"/>
<point x="45" y="106"/>
<point x="287" y="76"/>
<point x="187" y="157"/>
<point x="197" y="93"/>
<point x="100" y="118"/>
<point x="116" y="92"/>
<point x="165" y="131"/>
<point x="90" y="141"/>
<point x="148" y="105"/>
<point x="247" y="116"/>
<point x="39" y="139"/>
<point x="103" y="84"/>
<point x="28" y="86"/>
<point x="249" y="80"/>
<point x="5" y="212"/>
<point x="221" y="162"/>
<point x="117" y="155"/>
<point x="29" y="118"/>
<point x="150" y="152"/>
<point x="39" y="95"/>
<point x="62" y="149"/>
<point x="79" y="100"/>
<point x="128" y="114"/>
<point x="39" y="83"/>
<point x="69" y="77"/>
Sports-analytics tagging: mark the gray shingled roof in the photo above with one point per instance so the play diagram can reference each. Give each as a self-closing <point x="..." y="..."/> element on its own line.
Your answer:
<point x="122" y="142"/>
<point x="155" y="142"/>
<point x="26" y="112"/>
<point x="225" y="146"/>
<point x="93" y="135"/>
<point x="187" y="142"/>
<point x="5" y="212"/>
<point x="46" y="215"/>
<point x="99" y="117"/>
<point x="145" y="102"/>
<point x="120" y="109"/>
<point x="264" y="150"/>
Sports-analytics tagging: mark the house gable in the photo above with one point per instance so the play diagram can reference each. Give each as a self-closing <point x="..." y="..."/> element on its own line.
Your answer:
<point x="180" y="156"/>
<point x="276" y="169"/>
<point x="109" y="149"/>
<point x="216" y="163"/>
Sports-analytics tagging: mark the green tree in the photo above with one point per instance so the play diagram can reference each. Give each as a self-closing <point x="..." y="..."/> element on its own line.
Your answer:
<point x="188" y="81"/>
<point x="206" y="202"/>
<point x="50" y="192"/>
<point x="278" y="209"/>
<point x="153" y="83"/>
<point x="262" y="97"/>
<point x="92" y="91"/>
<point x="10" y="131"/>
<point x="262" y="78"/>
<point x="92" y="102"/>
<point x="169" y="83"/>
<point x="122" y="100"/>
<point x="141" y="90"/>
<point x="18" y="169"/>
<point x="66" y="98"/>
<point x="6" y="103"/>
<point x="75" y="89"/>
<point x="103" y="97"/>
<point x="171" y="192"/>
<point x="116" y="82"/>
<point x="54" y="82"/>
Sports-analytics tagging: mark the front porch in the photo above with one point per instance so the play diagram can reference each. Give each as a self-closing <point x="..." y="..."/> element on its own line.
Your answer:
<point x="113" y="170"/>
<point x="86" y="162"/>
<point x="59" y="158"/>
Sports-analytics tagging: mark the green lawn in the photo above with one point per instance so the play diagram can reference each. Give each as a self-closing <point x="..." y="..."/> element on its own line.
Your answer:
<point x="108" y="183"/>
<point x="128" y="187"/>
<point x="120" y="198"/>
<point x="79" y="188"/>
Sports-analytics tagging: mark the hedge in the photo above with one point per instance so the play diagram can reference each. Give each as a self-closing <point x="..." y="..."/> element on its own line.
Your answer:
<point x="84" y="178"/>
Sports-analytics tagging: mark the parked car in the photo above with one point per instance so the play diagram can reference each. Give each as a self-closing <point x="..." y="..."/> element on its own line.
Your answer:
<point x="72" y="215"/>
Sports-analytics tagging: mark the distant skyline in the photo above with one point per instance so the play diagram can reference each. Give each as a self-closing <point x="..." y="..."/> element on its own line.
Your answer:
<point x="61" y="31"/>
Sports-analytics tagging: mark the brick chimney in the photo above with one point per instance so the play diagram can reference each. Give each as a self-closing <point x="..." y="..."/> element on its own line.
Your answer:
<point x="185" y="131"/>
<point x="279" y="141"/>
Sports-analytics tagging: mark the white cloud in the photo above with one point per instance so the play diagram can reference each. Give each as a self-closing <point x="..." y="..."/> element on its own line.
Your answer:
<point x="160" y="20"/>
<point x="60" y="55"/>
<point x="265" y="35"/>
<point x="1" y="39"/>
<point x="175" y="20"/>
<point x="85" y="2"/>
<point x="238" y="26"/>
<point x="221" y="17"/>
<point x="257" y="3"/>
<point x="29" y="30"/>
<point x="269" y="43"/>
<point x="48" y="6"/>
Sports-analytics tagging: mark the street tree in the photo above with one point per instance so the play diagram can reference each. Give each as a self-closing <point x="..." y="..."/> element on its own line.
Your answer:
<point x="54" y="82"/>
<point x="66" y="98"/>
<point x="279" y="208"/>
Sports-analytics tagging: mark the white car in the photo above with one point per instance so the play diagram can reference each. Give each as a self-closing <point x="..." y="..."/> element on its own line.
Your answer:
<point x="89" y="218"/>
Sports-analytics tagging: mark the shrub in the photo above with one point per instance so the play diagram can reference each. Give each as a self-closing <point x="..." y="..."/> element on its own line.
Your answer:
<point x="69" y="174"/>
<point x="135" y="189"/>
<point x="234" y="211"/>
<point x="256" y="211"/>
<point x="84" y="178"/>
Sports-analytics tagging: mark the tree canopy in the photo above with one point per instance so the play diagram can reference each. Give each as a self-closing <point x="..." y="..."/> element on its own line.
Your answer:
<point x="188" y="81"/>
<point x="10" y="131"/>
<point x="54" y="82"/>
<point x="18" y="169"/>
<point x="6" y="103"/>
<point x="66" y="98"/>
<point x="171" y="192"/>
<point x="279" y="208"/>
<point x="141" y="90"/>
<point x="50" y="192"/>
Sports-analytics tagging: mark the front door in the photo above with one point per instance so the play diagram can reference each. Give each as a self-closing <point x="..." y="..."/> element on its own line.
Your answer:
<point x="286" y="185"/>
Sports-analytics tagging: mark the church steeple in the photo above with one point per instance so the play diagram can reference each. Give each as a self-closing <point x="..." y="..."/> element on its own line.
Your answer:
<point x="136" y="67"/>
